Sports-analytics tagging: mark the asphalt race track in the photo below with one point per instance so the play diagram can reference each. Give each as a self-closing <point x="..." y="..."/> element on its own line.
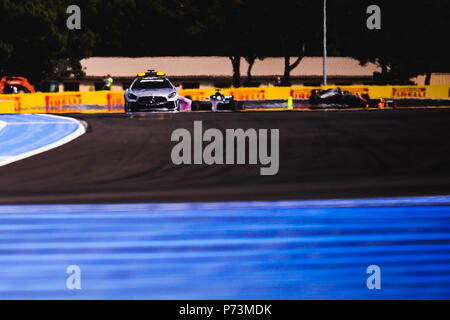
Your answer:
<point x="323" y="155"/>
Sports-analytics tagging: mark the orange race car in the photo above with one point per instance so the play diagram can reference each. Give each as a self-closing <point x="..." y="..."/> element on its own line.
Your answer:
<point x="12" y="85"/>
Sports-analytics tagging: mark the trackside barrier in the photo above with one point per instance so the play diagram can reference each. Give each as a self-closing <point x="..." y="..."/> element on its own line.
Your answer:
<point x="67" y="102"/>
<point x="112" y="101"/>
<point x="276" y="93"/>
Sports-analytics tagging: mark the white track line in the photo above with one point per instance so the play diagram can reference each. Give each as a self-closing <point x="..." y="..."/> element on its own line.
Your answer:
<point x="36" y="122"/>
<point x="79" y="132"/>
<point x="2" y="124"/>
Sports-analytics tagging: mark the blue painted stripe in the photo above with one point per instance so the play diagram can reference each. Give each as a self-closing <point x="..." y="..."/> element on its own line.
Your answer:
<point x="243" y="250"/>
<point x="23" y="135"/>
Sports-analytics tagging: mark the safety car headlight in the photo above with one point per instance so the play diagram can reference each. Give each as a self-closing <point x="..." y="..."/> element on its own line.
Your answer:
<point x="132" y="96"/>
<point x="172" y="95"/>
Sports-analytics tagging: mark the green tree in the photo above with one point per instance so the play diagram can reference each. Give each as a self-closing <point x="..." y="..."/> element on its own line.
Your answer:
<point x="410" y="42"/>
<point x="36" y="43"/>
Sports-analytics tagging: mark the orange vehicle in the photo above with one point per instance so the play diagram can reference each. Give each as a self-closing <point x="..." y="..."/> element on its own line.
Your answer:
<point x="12" y="85"/>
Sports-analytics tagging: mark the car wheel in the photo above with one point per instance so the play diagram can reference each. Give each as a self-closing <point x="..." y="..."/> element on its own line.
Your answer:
<point x="129" y="108"/>
<point x="195" y="106"/>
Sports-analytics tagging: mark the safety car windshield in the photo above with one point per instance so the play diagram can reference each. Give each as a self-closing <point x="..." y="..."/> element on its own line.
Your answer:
<point x="151" y="84"/>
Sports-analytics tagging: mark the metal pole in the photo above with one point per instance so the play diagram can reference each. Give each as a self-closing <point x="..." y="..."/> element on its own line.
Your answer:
<point x="324" y="42"/>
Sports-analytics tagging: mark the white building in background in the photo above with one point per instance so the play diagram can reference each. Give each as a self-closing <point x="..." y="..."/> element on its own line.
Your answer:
<point x="209" y="72"/>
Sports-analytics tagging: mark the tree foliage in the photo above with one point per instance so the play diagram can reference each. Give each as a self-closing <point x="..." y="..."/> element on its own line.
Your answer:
<point x="411" y="41"/>
<point x="35" y="42"/>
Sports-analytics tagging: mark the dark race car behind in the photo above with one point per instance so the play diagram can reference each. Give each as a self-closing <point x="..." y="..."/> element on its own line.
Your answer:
<point x="335" y="98"/>
<point x="217" y="102"/>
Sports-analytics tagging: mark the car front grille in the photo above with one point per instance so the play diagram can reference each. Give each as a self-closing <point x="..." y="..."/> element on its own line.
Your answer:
<point x="151" y="100"/>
